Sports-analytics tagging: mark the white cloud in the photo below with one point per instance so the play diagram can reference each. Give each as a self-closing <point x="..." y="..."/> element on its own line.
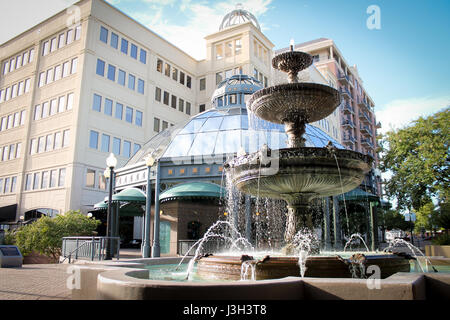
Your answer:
<point x="199" y="20"/>
<point x="399" y="113"/>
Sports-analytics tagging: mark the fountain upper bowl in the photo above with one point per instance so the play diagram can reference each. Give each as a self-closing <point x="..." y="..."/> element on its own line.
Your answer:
<point x="282" y="103"/>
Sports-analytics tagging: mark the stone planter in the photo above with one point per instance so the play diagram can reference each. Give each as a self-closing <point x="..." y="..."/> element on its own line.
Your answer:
<point x="437" y="251"/>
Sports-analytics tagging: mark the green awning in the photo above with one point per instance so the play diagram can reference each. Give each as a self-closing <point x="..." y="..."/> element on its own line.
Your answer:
<point x="192" y="190"/>
<point x="130" y="195"/>
<point x="102" y="205"/>
<point x="358" y="195"/>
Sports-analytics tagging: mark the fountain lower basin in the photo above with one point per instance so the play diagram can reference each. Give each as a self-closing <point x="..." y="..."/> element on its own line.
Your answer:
<point x="229" y="267"/>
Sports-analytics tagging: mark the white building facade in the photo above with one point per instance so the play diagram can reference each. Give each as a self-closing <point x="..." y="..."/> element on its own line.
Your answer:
<point x="74" y="90"/>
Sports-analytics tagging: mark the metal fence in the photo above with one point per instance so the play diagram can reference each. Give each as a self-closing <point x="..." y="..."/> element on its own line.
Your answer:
<point x="92" y="248"/>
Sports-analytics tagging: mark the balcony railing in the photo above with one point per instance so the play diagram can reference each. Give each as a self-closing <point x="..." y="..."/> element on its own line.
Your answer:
<point x="347" y="123"/>
<point x="365" y="130"/>
<point x="345" y="92"/>
<point x="367" y="142"/>
<point x="364" y="116"/>
<point x="344" y="78"/>
<point x="346" y="107"/>
<point x="348" y="138"/>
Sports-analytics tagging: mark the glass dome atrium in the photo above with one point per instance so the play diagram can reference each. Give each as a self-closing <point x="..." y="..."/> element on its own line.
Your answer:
<point x="224" y="130"/>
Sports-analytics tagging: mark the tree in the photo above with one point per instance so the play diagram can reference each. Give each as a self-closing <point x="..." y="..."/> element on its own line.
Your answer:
<point x="392" y="219"/>
<point x="45" y="235"/>
<point x="426" y="217"/>
<point x="418" y="159"/>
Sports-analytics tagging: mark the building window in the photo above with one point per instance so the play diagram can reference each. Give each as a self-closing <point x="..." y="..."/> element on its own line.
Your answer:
<point x="158" y="94"/>
<point x="143" y="56"/>
<point x="137" y="147"/>
<point x="202" y="108"/>
<point x="105" y="143"/>
<point x="100" y="68"/>
<point x="90" y="178"/>
<point x="188" y="81"/>
<point x="156" y="124"/>
<point x="165" y="125"/>
<point x="219" y="77"/>
<point x="133" y="51"/>
<point x="62" y="177"/>
<point x="57" y="72"/>
<point x="57" y="140"/>
<point x="52" y="48"/>
<point x="228" y="49"/>
<point x="182" y="77"/>
<point x="131" y="81"/>
<point x="159" y="65"/>
<point x="119" y="110"/>
<point x="188" y="108"/>
<point x="124" y="46"/>
<point x="116" y="146"/>
<point x="61" y="41"/>
<point x="97" y="104"/>
<point x="219" y="52"/>
<point x="126" y="149"/>
<point x="36" y="180"/>
<point x="167" y="69"/>
<point x="28" y="181"/>
<point x="44" y="181"/>
<point x="166" y="98"/>
<point x="73" y="68"/>
<point x="45" y="50"/>
<point x="108" y="106"/>
<point x="174" y="102"/>
<point x="138" y="120"/>
<point x="53" y="178"/>
<point x="202" y="84"/>
<point x="114" y="40"/>
<point x="70" y="101"/>
<point x="175" y="74"/>
<point x="181" y="105"/>
<point x="93" y="140"/>
<point x="121" y="77"/>
<point x="237" y="46"/>
<point x="61" y="103"/>
<point x="103" y="34"/>
<point x="141" y="85"/>
<point x="129" y="115"/>
<point x="111" y="72"/>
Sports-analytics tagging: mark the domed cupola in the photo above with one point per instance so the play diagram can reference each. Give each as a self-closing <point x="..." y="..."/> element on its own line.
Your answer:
<point x="235" y="91"/>
<point x="238" y="16"/>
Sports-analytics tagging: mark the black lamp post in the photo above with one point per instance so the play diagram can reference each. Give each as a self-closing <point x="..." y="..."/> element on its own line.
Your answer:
<point x="111" y="162"/>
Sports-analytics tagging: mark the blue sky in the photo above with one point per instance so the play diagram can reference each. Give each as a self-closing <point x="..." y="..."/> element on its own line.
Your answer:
<point x="405" y="65"/>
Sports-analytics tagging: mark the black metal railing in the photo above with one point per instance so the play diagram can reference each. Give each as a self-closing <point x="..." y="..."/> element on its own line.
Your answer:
<point x="92" y="248"/>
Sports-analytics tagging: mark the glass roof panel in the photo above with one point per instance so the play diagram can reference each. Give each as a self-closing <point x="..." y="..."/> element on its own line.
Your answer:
<point x="193" y="126"/>
<point x="228" y="142"/>
<point x="212" y="124"/>
<point x="232" y="122"/>
<point x="180" y="145"/>
<point x="203" y="144"/>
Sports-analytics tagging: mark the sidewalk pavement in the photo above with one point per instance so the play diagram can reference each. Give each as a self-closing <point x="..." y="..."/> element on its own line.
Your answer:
<point x="35" y="282"/>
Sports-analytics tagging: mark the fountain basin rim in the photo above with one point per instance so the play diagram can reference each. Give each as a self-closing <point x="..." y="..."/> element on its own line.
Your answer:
<point x="302" y="152"/>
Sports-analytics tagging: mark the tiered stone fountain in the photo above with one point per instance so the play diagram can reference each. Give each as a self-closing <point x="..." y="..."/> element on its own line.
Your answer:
<point x="301" y="174"/>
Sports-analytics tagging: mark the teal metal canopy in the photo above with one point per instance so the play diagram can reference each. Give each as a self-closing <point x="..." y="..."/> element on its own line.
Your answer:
<point x="192" y="190"/>
<point x="130" y="195"/>
<point x="358" y="195"/>
<point x="102" y="205"/>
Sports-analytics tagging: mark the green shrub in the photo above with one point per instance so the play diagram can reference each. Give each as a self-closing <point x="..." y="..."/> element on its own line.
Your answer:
<point x="442" y="240"/>
<point x="45" y="235"/>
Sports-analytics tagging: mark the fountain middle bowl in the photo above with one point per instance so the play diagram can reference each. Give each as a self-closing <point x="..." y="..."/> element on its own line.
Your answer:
<point x="288" y="172"/>
<point x="280" y="103"/>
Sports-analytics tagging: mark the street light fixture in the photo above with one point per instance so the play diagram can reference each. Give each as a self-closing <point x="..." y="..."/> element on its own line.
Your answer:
<point x="149" y="161"/>
<point x="111" y="162"/>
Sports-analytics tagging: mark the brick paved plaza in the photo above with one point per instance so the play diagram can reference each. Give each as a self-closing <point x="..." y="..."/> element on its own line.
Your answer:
<point x="34" y="282"/>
